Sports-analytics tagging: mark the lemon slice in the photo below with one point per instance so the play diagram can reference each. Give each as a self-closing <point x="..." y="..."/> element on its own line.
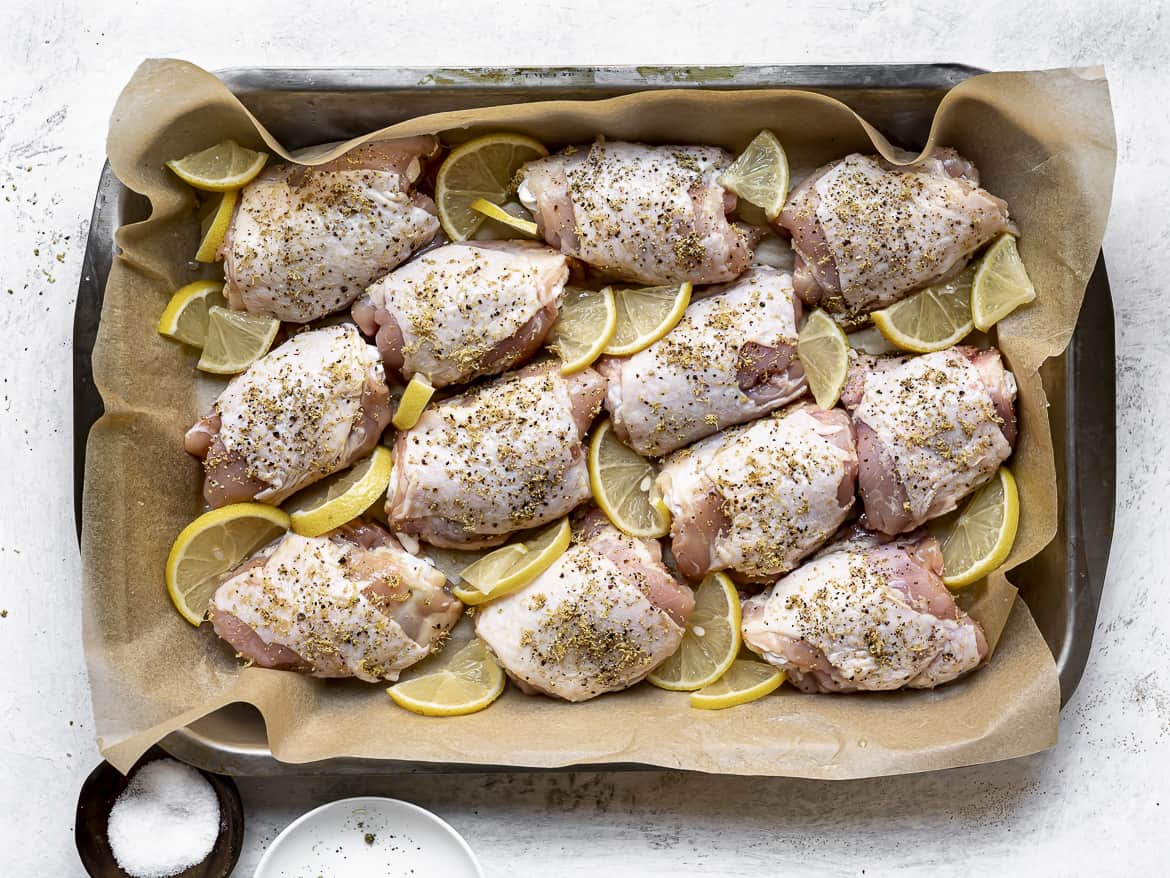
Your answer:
<point x="186" y="316"/>
<point x="983" y="535"/>
<point x="469" y="683"/>
<point x="744" y="681"/>
<point x="414" y="399"/>
<point x="215" y="227"/>
<point x="760" y="174"/>
<point x="235" y="340"/>
<point x="219" y="168"/>
<point x="824" y="352"/>
<point x="210" y="546"/>
<point x="871" y="341"/>
<point x="494" y="211"/>
<point x="711" y="641"/>
<point x="646" y="314"/>
<point x="343" y="497"/>
<point x="481" y="168"/>
<point x="586" y="323"/>
<point x="622" y="482"/>
<point x="1001" y="284"/>
<point x="931" y="319"/>
<point x="512" y="567"/>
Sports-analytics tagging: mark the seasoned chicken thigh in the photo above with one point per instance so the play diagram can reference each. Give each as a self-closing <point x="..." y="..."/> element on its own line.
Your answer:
<point x="649" y="214"/>
<point x="305" y="242"/>
<point x="351" y="604"/>
<point x="930" y="430"/>
<point x="598" y="620"/>
<point x="865" y="617"/>
<point x="464" y="310"/>
<point x="867" y="233"/>
<point x="729" y="360"/>
<point x="305" y="410"/>
<point x="502" y="457"/>
<point x="759" y="498"/>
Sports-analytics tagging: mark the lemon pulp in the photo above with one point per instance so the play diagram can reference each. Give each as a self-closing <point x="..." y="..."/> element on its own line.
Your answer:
<point x="235" y="340"/>
<point x="585" y="325"/>
<point x="210" y="546"/>
<point x="622" y="482"/>
<point x="469" y="683"/>
<point x="824" y="352"/>
<point x="711" y="640"/>
<point x="187" y="314"/>
<point x="481" y="168"/>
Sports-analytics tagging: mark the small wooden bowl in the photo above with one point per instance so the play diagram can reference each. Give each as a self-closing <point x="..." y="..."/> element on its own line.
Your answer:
<point x="106" y="783"/>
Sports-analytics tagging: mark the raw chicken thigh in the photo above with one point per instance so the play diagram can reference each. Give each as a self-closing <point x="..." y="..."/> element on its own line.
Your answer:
<point x="729" y="360"/>
<point x="867" y="233"/>
<point x="930" y="430"/>
<point x="649" y="214"/>
<point x="865" y="617"/>
<point x="352" y="604"/>
<point x="598" y="620"/>
<point x="502" y="457"/>
<point x="464" y="310"/>
<point x="305" y="242"/>
<point x="305" y="410"/>
<point x="757" y="499"/>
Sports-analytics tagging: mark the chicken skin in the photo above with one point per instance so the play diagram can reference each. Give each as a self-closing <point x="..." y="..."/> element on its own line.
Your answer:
<point x="306" y="409"/>
<point x="349" y="604"/>
<point x="602" y="617"/>
<point x="305" y="242"/>
<point x="757" y="499"/>
<point x="865" y="617"/>
<point x="648" y="214"/>
<point x="867" y="233"/>
<point x="729" y="360"/>
<point x="503" y="457"/>
<point x="930" y="430"/>
<point x="464" y="310"/>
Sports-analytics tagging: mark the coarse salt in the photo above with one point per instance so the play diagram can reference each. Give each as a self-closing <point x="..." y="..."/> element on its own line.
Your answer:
<point x="165" y="821"/>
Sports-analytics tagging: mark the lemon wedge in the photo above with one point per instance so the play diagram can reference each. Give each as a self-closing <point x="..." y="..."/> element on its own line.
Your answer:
<point x="760" y="174"/>
<point x="585" y="325"/>
<point x="711" y="641"/>
<point x="1001" y="284"/>
<point x="219" y="168"/>
<point x="497" y="213"/>
<point x="984" y="532"/>
<point x="210" y="546"/>
<point x="215" y="227"/>
<point x="510" y="568"/>
<point x="744" y="681"/>
<point x="235" y="340"/>
<point x="483" y="168"/>
<point x="646" y="314"/>
<point x="824" y="352"/>
<point x="331" y="503"/>
<point x="186" y="316"/>
<point x="469" y="683"/>
<point x="622" y="482"/>
<point x="414" y="399"/>
<point x="931" y="319"/>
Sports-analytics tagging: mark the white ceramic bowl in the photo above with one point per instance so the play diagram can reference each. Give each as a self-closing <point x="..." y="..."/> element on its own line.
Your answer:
<point x="369" y="835"/>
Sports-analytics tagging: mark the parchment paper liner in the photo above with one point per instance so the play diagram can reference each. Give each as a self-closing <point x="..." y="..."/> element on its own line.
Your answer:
<point x="1042" y="140"/>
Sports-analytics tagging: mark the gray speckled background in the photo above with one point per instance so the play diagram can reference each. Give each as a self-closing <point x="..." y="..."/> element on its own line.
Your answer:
<point x="1094" y="805"/>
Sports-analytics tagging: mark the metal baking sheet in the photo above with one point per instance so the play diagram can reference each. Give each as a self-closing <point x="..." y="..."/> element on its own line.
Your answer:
<point x="1062" y="585"/>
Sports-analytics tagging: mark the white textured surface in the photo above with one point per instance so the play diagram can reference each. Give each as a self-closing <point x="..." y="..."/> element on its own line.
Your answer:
<point x="1094" y="805"/>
